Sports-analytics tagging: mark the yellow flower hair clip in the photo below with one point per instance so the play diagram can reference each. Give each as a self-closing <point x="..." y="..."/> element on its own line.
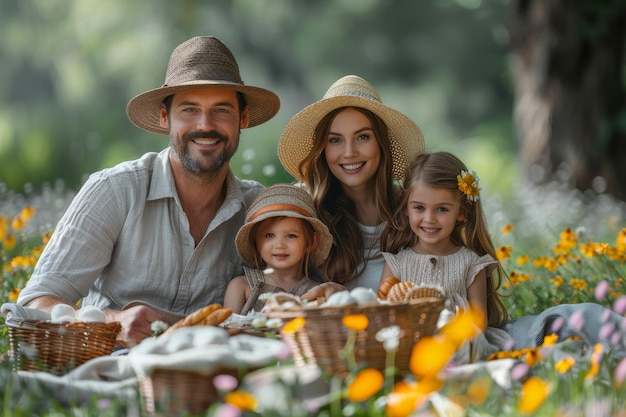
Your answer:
<point x="468" y="184"/>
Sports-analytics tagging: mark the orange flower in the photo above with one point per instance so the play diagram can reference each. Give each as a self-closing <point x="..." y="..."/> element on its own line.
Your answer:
<point x="464" y="327"/>
<point x="521" y="260"/>
<point x="430" y="354"/>
<point x="533" y="393"/>
<point x="242" y="400"/>
<point x="507" y="228"/>
<point x="356" y="322"/>
<point x="404" y="399"/>
<point x="294" y="325"/>
<point x="366" y="383"/>
<point x="478" y="391"/>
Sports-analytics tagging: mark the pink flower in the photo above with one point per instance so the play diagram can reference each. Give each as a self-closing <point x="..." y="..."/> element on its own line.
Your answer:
<point x="619" y="306"/>
<point x="606" y="331"/>
<point x="225" y="382"/>
<point x="620" y="372"/>
<point x="557" y="324"/>
<point x="602" y="289"/>
<point x="227" y="410"/>
<point x="519" y="371"/>
<point x="576" y="320"/>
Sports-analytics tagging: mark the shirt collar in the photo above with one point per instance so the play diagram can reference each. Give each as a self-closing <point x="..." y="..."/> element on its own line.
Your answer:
<point x="162" y="183"/>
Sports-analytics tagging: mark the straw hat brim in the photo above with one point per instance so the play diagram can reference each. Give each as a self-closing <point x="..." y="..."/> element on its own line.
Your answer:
<point x="144" y="109"/>
<point x="318" y="256"/>
<point x="298" y="137"/>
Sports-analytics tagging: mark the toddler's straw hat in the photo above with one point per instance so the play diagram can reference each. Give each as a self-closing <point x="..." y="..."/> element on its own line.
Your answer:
<point x="283" y="200"/>
<point x="198" y="63"/>
<point x="298" y="138"/>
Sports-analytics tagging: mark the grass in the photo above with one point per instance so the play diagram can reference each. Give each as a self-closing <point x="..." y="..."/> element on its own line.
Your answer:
<point x="558" y="246"/>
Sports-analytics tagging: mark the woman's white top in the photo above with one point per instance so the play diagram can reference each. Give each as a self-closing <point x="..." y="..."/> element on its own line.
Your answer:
<point x="374" y="261"/>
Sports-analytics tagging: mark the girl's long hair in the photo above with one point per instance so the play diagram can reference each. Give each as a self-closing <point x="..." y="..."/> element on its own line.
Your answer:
<point x="440" y="170"/>
<point x="336" y="210"/>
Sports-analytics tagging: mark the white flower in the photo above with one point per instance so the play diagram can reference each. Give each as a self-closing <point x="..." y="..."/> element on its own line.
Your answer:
<point x="390" y="337"/>
<point x="259" y="322"/>
<point x="274" y="323"/>
<point x="158" y="327"/>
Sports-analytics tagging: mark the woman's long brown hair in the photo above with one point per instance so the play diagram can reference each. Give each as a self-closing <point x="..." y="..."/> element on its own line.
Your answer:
<point x="336" y="210"/>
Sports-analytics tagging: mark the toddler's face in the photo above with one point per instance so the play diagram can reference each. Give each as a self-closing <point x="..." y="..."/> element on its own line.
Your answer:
<point x="282" y="242"/>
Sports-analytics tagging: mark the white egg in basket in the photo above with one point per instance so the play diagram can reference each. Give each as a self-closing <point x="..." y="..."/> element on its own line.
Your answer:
<point x="92" y="314"/>
<point x="64" y="319"/>
<point x="62" y="311"/>
<point x="364" y="295"/>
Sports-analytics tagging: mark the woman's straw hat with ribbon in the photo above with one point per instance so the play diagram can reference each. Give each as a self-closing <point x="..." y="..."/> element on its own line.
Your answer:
<point x="282" y="200"/>
<point x="298" y="138"/>
<point x="199" y="63"/>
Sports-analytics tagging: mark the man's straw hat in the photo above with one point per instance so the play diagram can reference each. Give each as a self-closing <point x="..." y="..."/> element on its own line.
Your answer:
<point x="298" y="138"/>
<point x="283" y="200"/>
<point x="199" y="63"/>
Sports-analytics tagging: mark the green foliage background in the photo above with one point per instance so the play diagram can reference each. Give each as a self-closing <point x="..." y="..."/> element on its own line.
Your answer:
<point x="69" y="68"/>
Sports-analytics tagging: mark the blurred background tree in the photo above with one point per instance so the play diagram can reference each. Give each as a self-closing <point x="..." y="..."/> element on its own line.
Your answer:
<point x="69" y="68"/>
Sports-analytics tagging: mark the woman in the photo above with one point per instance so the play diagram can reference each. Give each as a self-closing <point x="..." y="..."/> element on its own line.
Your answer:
<point x="350" y="149"/>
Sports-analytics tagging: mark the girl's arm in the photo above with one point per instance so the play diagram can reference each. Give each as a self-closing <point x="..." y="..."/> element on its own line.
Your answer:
<point x="237" y="293"/>
<point x="477" y="295"/>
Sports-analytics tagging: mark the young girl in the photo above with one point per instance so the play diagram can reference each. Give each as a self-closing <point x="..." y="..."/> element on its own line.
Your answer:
<point x="439" y="236"/>
<point x="349" y="149"/>
<point x="282" y="232"/>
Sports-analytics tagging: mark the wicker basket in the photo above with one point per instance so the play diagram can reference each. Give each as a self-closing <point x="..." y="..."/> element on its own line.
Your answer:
<point x="58" y="347"/>
<point x="324" y="335"/>
<point x="171" y="392"/>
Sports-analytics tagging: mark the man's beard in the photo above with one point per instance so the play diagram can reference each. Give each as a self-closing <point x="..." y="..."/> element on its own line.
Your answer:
<point x="187" y="160"/>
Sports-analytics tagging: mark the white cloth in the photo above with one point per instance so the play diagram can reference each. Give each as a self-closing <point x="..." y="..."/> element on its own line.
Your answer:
<point x="125" y="237"/>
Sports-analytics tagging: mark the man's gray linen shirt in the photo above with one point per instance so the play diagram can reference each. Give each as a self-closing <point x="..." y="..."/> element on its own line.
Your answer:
<point x="125" y="237"/>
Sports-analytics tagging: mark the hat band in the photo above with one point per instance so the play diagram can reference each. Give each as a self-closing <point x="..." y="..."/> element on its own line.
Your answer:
<point x="279" y="207"/>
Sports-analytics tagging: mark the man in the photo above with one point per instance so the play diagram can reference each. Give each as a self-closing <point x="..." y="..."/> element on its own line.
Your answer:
<point x="153" y="239"/>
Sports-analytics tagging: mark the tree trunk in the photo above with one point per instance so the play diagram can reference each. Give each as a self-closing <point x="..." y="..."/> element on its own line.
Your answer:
<point x="569" y="114"/>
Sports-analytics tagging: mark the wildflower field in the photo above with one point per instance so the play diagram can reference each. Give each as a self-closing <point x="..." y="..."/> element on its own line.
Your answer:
<point x="557" y="245"/>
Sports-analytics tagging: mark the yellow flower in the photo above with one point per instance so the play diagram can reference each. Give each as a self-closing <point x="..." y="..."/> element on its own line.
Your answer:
<point x="579" y="284"/>
<point x="46" y="238"/>
<point x="468" y="184"/>
<point x="557" y="281"/>
<point x="533" y="393"/>
<point x="567" y="242"/>
<point x="366" y="383"/>
<point x="9" y="241"/>
<point x="620" y="241"/>
<point x="18" y="224"/>
<point x="521" y="260"/>
<point x="27" y="212"/>
<point x="596" y="357"/>
<point x="504" y="252"/>
<point x="4" y="227"/>
<point x="550" y="340"/>
<point x="430" y="354"/>
<point x="242" y="400"/>
<point x="294" y="325"/>
<point x="565" y="364"/>
<point x="507" y="228"/>
<point x="15" y="292"/>
<point x="356" y="322"/>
